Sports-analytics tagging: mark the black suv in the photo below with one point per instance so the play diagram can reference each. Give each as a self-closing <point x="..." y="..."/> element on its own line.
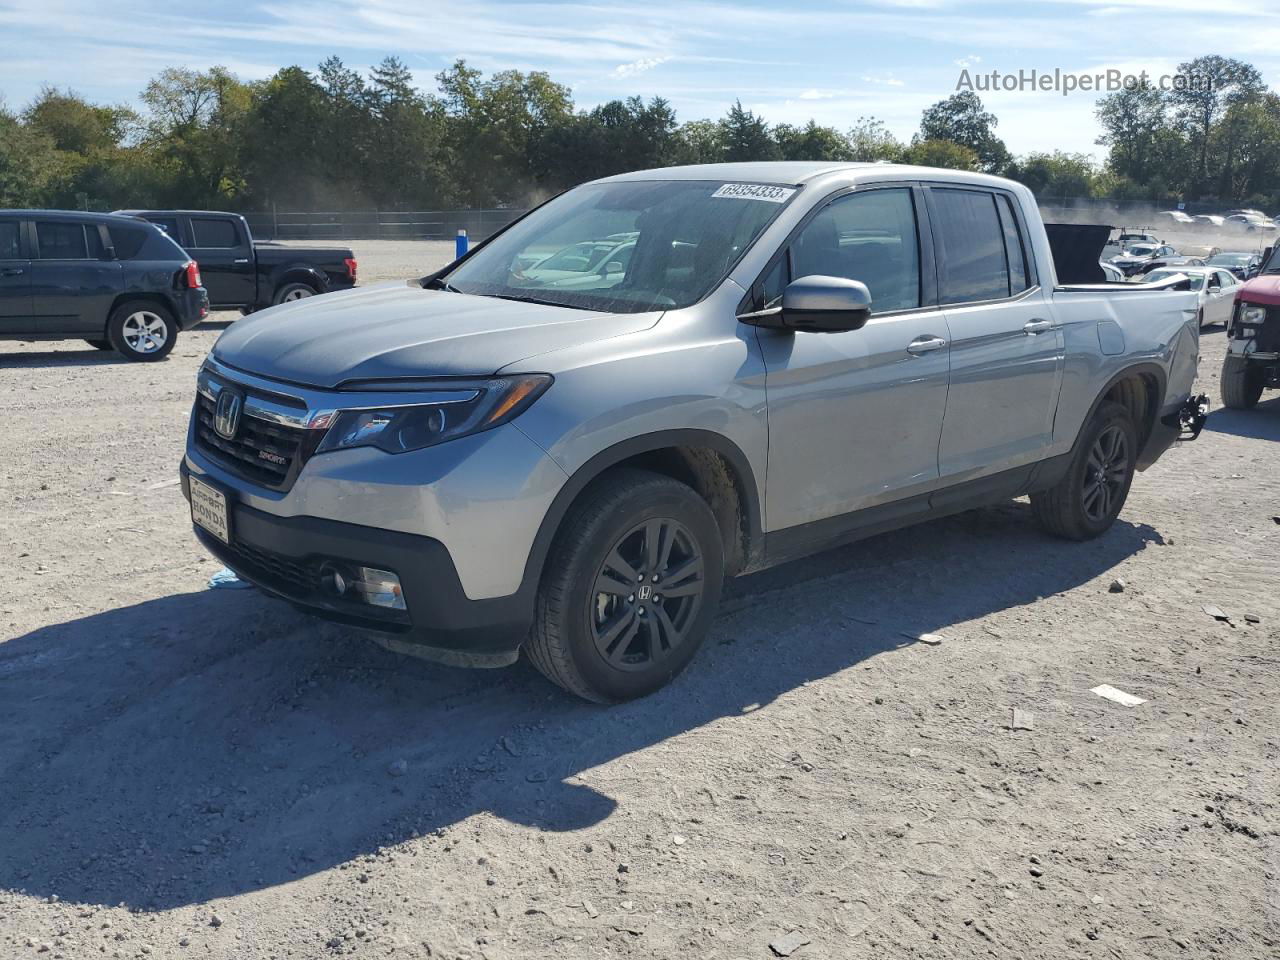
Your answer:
<point x="116" y="282"/>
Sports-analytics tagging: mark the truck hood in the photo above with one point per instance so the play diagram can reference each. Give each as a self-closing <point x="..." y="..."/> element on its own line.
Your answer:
<point x="1262" y="289"/>
<point x="401" y="330"/>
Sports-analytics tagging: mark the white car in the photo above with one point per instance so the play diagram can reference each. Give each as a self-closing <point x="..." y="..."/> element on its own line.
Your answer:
<point x="1249" y="223"/>
<point x="1208" y="220"/>
<point x="1216" y="287"/>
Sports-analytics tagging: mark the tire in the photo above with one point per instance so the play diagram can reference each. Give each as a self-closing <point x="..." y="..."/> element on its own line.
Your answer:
<point x="99" y="344"/>
<point x="1087" y="500"/>
<point x="142" y="330"/>
<point x="628" y="639"/>
<point x="1241" y="383"/>
<point x="293" y="291"/>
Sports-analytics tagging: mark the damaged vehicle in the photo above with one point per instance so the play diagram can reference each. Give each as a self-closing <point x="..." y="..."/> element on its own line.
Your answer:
<point x="797" y="355"/>
<point x="1252" y="363"/>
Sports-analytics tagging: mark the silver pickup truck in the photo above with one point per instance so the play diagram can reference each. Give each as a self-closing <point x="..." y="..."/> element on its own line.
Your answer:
<point x="789" y="356"/>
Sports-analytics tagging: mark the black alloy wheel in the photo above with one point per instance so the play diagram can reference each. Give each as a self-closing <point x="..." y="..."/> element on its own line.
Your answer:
<point x="647" y="595"/>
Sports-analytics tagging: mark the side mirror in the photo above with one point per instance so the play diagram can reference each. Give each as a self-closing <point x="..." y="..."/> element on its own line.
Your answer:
<point x="825" y="304"/>
<point x="613" y="266"/>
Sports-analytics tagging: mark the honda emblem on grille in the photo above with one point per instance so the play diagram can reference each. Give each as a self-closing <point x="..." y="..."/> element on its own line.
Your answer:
<point x="226" y="415"/>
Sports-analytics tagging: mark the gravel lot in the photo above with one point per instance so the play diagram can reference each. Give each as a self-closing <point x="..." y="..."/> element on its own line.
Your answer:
<point x="196" y="773"/>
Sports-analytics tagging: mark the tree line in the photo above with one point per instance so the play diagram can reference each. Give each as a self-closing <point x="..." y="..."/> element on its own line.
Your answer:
<point x="337" y="139"/>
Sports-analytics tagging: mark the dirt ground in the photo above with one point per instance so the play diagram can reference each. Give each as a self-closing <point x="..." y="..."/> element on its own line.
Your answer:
<point x="197" y="773"/>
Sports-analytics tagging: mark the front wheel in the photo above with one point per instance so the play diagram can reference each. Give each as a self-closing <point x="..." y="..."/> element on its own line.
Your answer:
<point x="1241" y="383"/>
<point x="1087" y="500"/>
<point x="630" y="588"/>
<point x="142" y="330"/>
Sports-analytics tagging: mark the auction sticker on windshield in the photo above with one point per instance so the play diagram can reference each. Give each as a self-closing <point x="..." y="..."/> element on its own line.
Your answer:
<point x="755" y="191"/>
<point x="209" y="509"/>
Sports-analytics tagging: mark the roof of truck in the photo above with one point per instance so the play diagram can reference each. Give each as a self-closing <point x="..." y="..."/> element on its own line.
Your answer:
<point x="797" y="172"/>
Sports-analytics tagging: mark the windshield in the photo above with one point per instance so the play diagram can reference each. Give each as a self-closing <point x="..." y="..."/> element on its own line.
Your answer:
<point x="1140" y="250"/>
<point x="625" y="247"/>
<point x="1197" y="281"/>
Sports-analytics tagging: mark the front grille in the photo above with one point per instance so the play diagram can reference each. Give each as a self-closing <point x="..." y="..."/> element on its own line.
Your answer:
<point x="270" y="454"/>
<point x="277" y="570"/>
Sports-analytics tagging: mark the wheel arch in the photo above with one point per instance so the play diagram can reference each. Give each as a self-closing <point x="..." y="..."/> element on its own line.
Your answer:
<point x="1140" y="387"/>
<point x="297" y="273"/>
<point x="713" y="465"/>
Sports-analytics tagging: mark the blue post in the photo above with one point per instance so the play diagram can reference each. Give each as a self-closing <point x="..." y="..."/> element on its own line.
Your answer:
<point x="460" y="245"/>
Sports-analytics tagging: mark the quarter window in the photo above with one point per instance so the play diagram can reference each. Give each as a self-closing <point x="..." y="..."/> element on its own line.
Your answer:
<point x="220" y="234"/>
<point x="974" y="255"/>
<point x="869" y="236"/>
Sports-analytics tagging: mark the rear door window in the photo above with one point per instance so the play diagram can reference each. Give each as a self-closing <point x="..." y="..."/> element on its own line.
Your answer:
<point x="62" y="240"/>
<point x="973" y="258"/>
<point x="169" y="225"/>
<point x="1014" y="246"/>
<point x="213" y="234"/>
<point x="10" y="246"/>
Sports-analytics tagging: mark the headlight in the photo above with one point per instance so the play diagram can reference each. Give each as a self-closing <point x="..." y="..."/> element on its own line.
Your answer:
<point x="455" y="409"/>
<point x="1251" y="315"/>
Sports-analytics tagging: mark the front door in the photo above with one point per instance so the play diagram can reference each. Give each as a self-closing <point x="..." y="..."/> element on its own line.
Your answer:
<point x="226" y="261"/>
<point x="854" y="417"/>
<point x="1007" y="350"/>
<point x="15" y="280"/>
<point x="72" y="284"/>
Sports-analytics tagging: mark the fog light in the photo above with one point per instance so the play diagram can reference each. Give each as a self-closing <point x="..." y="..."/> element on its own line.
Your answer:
<point x="378" y="588"/>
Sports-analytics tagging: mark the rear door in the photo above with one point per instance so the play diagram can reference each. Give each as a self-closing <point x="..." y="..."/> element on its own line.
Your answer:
<point x="1007" y="351"/>
<point x="15" y="279"/>
<point x="73" y="284"/>
<point x="222" y="247"/>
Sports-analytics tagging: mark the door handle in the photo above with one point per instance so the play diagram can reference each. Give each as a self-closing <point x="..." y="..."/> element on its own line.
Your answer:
<point x="243" y="260"/>
<point x="925" y="345"/>
<point x="16" y="272"/>
<point x="1037" y="326"/>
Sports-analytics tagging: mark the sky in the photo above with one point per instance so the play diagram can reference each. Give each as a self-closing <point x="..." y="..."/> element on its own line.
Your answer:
<point x="788" y="61"/>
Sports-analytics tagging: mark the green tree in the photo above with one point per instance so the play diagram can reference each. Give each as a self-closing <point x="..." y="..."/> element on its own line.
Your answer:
<point x="942" y="153"/>
<point x="1133" y="124"/>
<point x="195" y="125"/>
<point x="962" y="119"/>
<point x="870" y="141"/>
<point x="1215" y="83"/>
<point x="700" y="141"/>
<point x="746" y="136"/>
<point x="811" y="142"/>
<point x="1056" y="174"/>
<point x="284" y="155"/>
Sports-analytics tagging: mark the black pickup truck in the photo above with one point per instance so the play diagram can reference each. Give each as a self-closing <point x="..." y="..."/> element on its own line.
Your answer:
<point x="246" y="274"/>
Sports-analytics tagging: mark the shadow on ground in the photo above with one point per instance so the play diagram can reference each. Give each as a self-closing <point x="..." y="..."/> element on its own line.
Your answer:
<point x="1260" y="423"/>
<point x="208" y="744"/>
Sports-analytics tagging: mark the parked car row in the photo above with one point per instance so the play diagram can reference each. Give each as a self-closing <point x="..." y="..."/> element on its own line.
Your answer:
<point x="131" y="281"/>
<point x="1243" y="221"/>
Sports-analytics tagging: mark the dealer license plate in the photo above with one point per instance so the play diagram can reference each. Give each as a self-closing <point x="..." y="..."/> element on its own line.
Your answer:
<point x="209" y="509"/>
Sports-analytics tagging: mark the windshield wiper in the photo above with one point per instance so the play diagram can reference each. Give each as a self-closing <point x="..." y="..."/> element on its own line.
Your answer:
<point x="439" y="283"/>
<point x="537" y="300"/>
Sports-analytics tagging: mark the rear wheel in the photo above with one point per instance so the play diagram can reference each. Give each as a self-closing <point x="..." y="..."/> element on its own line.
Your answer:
<point x="142" y="330"/>
<point x="1087" y="500"/>
<point x="1241" y="383"/>
<point x="294" y="291"/>
<point x="630" y="588"/>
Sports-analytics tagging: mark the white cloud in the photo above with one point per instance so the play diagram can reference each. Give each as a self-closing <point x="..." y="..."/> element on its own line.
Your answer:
<point x="964" y="63"/>
<point x="643" y="65"/>
<point x="816" y="95"/>
<point x="888" y="80"/>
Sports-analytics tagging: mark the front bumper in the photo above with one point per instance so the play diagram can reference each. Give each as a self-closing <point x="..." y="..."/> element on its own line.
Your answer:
<point x="285" y="555"/>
